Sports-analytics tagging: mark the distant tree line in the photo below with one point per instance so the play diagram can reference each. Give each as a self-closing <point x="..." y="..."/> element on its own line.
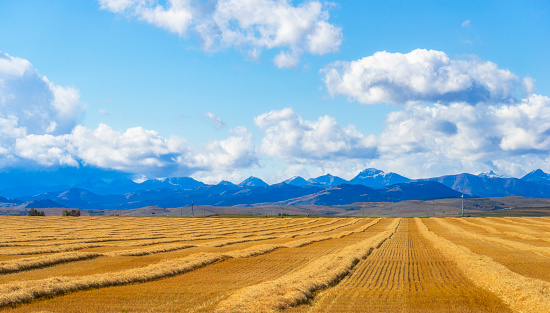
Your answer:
<point x="72" y="212"/>
<point x="34" y="212"/>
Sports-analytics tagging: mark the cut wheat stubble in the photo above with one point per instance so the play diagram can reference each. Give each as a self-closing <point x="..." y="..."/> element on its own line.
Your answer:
<point x="522" y="294"/>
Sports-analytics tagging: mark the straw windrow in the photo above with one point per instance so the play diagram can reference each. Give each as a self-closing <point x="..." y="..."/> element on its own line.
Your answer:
<point x="522" y="294"/>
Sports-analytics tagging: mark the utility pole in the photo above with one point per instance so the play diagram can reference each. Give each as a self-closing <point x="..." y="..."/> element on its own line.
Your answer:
<point x="192" y="211"/>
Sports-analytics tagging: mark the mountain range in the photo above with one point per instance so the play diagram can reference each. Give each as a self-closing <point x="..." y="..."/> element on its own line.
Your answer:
<point x="113" y="190"/>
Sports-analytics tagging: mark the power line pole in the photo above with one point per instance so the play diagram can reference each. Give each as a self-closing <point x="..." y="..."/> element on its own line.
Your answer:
<point x="192" y="211"/>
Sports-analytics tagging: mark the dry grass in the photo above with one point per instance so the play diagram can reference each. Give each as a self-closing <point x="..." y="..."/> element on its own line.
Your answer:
<point x="176" y="265"/>
<point x="482" y="223"/>
<point x="523" y="232"/>
<point x="504" y="242"/>
<point x="20" y="291"/>
<point x="522" y="294"/>
<point x="199" y="290"/>
<point x="43" y="261"/>
<point x="17" y="292"/>
<point x="50" y="249"/>
<point x="297" y="287"/>
<point x="406" y="274"/>
<point x="151" y="250"/>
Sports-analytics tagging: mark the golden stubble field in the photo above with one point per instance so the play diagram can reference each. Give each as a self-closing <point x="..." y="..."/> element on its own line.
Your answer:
<point x="116" y="264"/>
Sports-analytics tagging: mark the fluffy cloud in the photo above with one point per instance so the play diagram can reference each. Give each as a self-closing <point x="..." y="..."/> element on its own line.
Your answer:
<point x="13" y="67"/>
<point x="524" y="127"/>
<point x="37" y="105"/>
<point x="431" y="140"/>
<point x="421" y="75"/>
<point x="237" y="151"/>
<point x="469" y="132"/>
<point x="46" y="150"/>
<point x="10" y="129"/>
<point x="289" y="137"/>
<point x="458" y="115"/>
<point x="286" y="60"/>
<point x="249" y="25"/>
<point x="134" y="149"/>
<point x="137" y="150"/>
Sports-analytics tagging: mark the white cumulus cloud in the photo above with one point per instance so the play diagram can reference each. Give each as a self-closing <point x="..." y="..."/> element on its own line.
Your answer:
<point x="134" y="149"/>
<point x="289" y="137"/>
<point x="443" y="139"/>
<point x="525" y="126"/>
<point x="420" y="75"/>
<point x="286" y="60"/>
<point x="38" y="105"/>
<point x="248" y="25"/>
<point x="237" y="151"/>
<point x="13" y="67"/>
<point x="137" y="150"/>
<point x="177" y="17"/>
<point x="46" y="150"/>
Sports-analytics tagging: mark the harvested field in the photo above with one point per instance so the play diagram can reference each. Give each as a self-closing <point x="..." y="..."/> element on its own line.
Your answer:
<point x="92" y="264"/>
<point x="406" y="274"/>
<point x="519" y="255"/>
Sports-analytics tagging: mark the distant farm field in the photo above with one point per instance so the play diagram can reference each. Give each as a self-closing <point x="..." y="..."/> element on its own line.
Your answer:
<point x="126" y="264"/>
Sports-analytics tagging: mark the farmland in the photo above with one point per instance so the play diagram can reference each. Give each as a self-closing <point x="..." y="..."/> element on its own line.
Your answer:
<point x="117" y="264"/>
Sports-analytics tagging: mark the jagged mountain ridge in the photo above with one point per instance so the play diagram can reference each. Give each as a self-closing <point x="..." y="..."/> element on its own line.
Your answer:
<point x="348" y="193"/>
<point x="491" y="174"/>
<point x="224" y="195"/>
<point x="326" y="181"/>
<point x="327" y="189"/>
<point x="537" y="176"/>
<point x="296" y="181"/>
<point x="253" y="182"/>
<point x="375" y="178"/>
<point x="475" y="185"/>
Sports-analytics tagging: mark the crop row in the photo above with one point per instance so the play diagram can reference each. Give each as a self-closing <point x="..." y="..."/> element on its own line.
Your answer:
<point x="64" y="257"/>
<point x="18" y="291"/>
<point x="522" y="294"/>
<point x="500" y="241"/>
<point x="406" y="274"/>
<point x="297" y="287"/>
<point x="137" y="232"/>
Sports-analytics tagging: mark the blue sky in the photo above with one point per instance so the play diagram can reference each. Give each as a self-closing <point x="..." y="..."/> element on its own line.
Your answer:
<point x="226" y="89"/>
